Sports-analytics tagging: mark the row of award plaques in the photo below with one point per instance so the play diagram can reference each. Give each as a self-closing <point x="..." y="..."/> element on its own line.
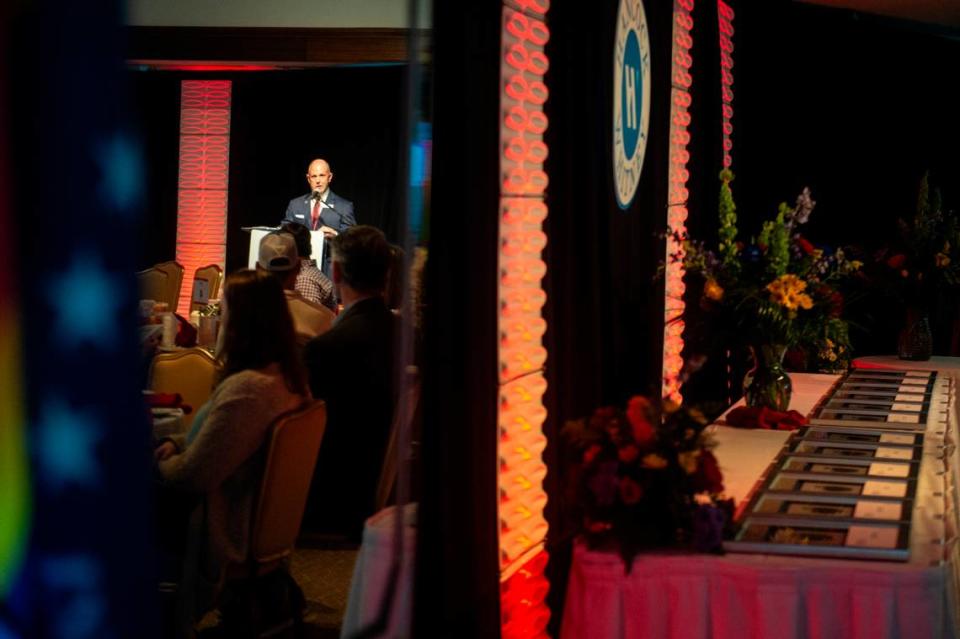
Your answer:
<point x="845" y="485"/>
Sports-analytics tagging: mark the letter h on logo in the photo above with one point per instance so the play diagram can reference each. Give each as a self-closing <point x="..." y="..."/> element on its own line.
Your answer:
<point x="631" y="95"/>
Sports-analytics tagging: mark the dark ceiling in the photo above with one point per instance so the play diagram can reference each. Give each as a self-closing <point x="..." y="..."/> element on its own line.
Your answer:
<point x="939" y="12"/>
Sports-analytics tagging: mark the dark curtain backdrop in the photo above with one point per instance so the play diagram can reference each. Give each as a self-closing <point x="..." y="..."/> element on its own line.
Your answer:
<point x="604" y="306"/>
<point x="457" y="586"/>
<point x="855" y="107"/>
<point x="351" y="116"/>
<point x="156" y="105"/>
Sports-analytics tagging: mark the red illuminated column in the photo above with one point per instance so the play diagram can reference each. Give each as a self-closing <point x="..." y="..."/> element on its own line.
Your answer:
<point x="725" y="16"/>
<point x="204" y="170"/>
<point x="523" y="183"/>
<point x="678" y="195"/>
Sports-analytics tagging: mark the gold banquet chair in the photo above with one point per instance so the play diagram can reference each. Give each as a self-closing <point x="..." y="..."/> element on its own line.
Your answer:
<point x="174" y="273"/>
<point x="212" y="274"/>
<point x="190" y="372"/>
<point x="291" y="456"/>
<point x="152" y="285"/>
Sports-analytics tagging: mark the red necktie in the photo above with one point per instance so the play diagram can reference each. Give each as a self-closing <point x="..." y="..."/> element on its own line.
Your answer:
<point x="316" y="213"/>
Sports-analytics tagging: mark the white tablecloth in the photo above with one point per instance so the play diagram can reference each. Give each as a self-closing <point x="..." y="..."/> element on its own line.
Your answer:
<point x="168" y="422"/>
<point x="678" y="596"/>
<point x="371" y="575"/>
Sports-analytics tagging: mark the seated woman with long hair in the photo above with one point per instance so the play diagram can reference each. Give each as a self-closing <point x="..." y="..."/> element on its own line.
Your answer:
<point x="260" y="378"/>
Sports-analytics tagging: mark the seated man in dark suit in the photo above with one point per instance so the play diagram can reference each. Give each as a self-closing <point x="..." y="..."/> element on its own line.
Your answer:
<point x="351" y="368"/>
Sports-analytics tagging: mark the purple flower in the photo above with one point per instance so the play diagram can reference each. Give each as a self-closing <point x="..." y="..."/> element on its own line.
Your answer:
<point x="708" y="523"/>
<point x="804" y="207"/>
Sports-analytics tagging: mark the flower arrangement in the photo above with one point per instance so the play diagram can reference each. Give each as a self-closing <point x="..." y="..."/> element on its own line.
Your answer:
<point x="778" y="288"/>
<point x="645" y="478"/>
<point x="925" y="261"/>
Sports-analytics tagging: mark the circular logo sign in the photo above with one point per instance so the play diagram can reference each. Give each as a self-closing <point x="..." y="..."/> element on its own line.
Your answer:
<point x="631" y="99"/>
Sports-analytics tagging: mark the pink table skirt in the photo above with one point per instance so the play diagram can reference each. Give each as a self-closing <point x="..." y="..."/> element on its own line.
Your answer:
<point x="740" y="596"/>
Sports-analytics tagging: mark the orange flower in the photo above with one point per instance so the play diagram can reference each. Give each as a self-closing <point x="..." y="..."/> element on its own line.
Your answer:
<point x="653" y="461"/>
<point x="712" y="290"/>
<point x="788" y="291"/>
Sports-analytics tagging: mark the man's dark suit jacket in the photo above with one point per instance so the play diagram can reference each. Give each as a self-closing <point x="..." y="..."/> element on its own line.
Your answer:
<point x="351" y="368"/>
<point x="339" y="218"/>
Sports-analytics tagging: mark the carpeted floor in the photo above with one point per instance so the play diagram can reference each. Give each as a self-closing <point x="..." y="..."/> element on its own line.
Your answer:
<point x="324" y="576"/>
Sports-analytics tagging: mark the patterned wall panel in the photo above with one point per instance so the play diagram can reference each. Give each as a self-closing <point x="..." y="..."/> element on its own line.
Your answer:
<point x="522" y="356"/>
<point x="204" y="177"/>
<point x="680" y="100"/>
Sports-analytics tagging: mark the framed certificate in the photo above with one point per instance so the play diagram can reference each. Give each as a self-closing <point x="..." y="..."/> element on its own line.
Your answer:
<point x="846" y="509"/>
<point x="817" y="466"/>
<point x="798" y="536"/>
<point x="802" y="484"/>
<point x="841" y="435"/>
<point x="856" y="450"/>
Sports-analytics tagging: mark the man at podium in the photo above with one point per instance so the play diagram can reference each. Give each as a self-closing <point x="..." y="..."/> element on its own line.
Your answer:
<point x="321" y="209"/>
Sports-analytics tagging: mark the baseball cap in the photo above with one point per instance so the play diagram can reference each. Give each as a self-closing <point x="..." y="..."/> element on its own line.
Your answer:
<point x="278" y="252"/>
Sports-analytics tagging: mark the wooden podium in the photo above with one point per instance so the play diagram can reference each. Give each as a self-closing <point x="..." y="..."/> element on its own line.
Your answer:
<point x="257" y="233"/>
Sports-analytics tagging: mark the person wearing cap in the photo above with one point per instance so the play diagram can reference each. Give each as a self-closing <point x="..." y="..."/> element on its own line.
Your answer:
<point x="278" y="255"/>
<point x="321" y="209"/>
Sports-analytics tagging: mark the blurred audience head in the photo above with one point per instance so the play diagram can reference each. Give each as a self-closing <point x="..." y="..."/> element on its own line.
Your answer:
<point x="258" y="330"/>
<point x="361" y="258"/>
<point x="301" y="237"/>
<point x="394" y="289"/>
<point x="279" y="255"/>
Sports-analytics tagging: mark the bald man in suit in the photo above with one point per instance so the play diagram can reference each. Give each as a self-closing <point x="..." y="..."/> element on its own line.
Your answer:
<point x="321" y="209"/>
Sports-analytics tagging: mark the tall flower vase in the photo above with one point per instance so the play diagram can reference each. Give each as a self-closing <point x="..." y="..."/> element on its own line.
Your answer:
<point x="916" y="340"/>
<point x="767" y="384"/>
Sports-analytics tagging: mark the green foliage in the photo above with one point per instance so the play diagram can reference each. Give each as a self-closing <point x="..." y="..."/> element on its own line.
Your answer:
<point x="728" y="223"/>
<point x="775" y="236"/>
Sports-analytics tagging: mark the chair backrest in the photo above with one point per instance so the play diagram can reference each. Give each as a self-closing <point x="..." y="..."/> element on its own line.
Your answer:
<point x="190" y="372"/>
<point x="212" y="274"/>
<point x="291" y="457"/>
<point x="174" y="273"/>
<point x="153" y="285"/>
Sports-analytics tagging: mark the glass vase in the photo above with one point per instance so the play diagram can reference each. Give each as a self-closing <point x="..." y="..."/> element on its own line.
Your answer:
<point x="767" y="384"/>
<point x="915" y="341"/>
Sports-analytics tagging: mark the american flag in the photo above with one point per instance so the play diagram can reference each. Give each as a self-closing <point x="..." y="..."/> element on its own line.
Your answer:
<point x="75" y="485"/>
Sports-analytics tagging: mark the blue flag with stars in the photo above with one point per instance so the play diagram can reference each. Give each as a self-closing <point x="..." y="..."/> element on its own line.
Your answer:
<point x="87" y="567"/>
